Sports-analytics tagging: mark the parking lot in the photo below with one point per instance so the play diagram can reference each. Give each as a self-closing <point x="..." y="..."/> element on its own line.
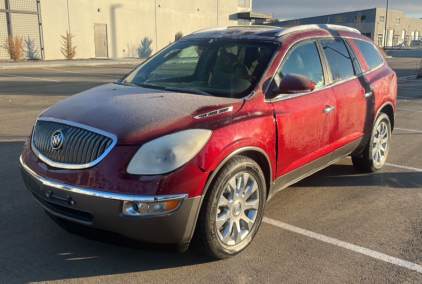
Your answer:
<point x="336" y="226"/>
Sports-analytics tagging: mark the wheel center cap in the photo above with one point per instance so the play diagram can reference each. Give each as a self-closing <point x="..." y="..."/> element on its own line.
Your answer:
<point x="237" y="208"/>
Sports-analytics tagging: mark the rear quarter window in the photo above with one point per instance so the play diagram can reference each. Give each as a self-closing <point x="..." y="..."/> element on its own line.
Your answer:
<point x="370" y="53"/>
<point x="338" y="58"/>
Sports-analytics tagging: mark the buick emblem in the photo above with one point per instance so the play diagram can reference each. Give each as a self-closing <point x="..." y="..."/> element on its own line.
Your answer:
<point x="57" y="140"/>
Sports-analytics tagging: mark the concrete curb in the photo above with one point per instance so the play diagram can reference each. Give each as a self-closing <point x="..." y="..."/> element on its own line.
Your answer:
<point x="9" y="66"/>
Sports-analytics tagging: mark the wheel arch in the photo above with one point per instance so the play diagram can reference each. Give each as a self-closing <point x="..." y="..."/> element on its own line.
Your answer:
<point x="388" y="109"/>
<point x="255" y="153"/>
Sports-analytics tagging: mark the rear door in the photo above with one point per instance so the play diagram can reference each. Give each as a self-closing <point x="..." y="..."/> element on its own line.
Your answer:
<point x="351" y="91"/>
<point x="304" y="121"/>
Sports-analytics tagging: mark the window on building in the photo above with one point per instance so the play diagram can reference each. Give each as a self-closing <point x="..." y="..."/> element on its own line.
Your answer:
<point x="397" y="21"/>
<point x="340" y="19"/>
<point x="360" y="18"/>
<point x="244" y="3"/>
<point x="368" y="35"/>
<point x="396" y="40"/>
<point x="369" y="52"/>
<point x="339" y="59"/>
<point x="380" y="40"/>
<point x="303" y="60"/>
<point x="382" y="19"/>
<point x="243" y="22"/>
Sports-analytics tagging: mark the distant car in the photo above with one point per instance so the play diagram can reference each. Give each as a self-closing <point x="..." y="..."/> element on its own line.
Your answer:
<point x="193" y="143"/>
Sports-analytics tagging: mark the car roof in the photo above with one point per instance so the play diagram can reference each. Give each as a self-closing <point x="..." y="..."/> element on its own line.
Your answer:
<point x="261" y="32"/>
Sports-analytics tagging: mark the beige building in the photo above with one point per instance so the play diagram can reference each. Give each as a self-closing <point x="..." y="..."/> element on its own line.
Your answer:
<point x="373" y="23"/>
<point x="400" y="29"/>
<point x="112" y="28"/>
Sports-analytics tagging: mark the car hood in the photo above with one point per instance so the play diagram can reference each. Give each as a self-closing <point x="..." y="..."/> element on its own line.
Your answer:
<point x="135" y="114"/>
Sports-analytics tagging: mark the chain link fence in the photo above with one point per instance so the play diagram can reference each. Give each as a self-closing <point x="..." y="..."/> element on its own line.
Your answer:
<point x="21" y="18"/>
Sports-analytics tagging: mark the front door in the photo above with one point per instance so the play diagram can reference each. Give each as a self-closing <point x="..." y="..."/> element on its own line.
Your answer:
<point x="304" y="121"/>
<point x="101" y="45"/>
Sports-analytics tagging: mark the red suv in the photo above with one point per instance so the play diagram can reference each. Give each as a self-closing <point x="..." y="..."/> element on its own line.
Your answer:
<point x="193" y="142"/>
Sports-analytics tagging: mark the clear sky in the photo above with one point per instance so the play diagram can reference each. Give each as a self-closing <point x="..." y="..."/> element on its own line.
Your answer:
<point x="292" y="9"/>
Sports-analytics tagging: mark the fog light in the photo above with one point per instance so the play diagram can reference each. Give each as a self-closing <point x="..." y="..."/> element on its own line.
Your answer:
<point x="136" y="208"/>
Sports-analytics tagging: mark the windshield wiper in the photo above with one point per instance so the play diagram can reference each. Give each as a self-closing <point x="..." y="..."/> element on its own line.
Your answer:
<point x="187" y="90"/>
<point x="125" y="84"/>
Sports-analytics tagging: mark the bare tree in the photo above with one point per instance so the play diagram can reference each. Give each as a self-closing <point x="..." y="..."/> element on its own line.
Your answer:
<point x="178" y="36"/>
<point x="14" y="46"/>
<point x="68" y="49"/>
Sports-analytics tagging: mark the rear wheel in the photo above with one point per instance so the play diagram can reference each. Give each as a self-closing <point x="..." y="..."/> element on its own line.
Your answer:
<point x="232" y="210"/>
<point x="376" y="151"/>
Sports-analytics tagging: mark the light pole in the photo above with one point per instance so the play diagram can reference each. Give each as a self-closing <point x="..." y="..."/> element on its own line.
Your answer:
<point x="386" y="20"/>
<point x="68" y="15"/>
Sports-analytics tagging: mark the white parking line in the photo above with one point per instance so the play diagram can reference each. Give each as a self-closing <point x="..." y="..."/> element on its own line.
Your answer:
<point x="404" y="167"/>
<point x="401" y="97"/>
<point x="122" y="69"/>
<point x="104" y="75"/>
<point x="33" y="78"/>
<point x="412" y="89"/>
<point x="411" y="130"/>
<point x="349" y="246"/>
<point x="403" y="109"/>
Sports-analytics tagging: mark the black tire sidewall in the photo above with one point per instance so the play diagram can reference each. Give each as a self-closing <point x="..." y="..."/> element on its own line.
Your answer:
<point x="382" y="117"/>
<point x="243" y="164"/>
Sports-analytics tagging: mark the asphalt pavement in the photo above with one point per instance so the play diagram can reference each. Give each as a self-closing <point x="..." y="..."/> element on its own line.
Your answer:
<point x="336" y="226"/>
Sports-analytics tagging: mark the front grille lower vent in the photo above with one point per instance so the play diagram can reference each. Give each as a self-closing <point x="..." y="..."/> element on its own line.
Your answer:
<point x="80" y="147"/>
<point x="65" y="211"/>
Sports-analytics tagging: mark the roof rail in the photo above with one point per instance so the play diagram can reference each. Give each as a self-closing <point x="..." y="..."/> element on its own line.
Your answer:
<point x="315" y="26"/>
<point x="210" y="29"/>
<point x="254" y="26"/>
<point x="235" y="27"/>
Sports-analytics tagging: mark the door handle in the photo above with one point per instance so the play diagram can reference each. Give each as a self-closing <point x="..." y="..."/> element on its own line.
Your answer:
<point x="328" y="109"/>
<point x="367" y="95"/>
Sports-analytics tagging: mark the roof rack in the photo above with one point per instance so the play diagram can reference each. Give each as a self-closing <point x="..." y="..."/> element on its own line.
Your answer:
<point x="315" y="26"/>
<point x="235" y="27"/>
<point x="210" y="29"/>
<point x="254" y="26"/>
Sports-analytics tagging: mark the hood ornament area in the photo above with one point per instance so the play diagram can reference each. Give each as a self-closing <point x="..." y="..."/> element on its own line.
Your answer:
<point x="57" y="139"/>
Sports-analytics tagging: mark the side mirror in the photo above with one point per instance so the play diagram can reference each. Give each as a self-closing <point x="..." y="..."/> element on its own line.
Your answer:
<point x="295" y="84"/>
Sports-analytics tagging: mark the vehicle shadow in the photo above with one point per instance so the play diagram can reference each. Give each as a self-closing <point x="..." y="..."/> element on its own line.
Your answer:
<point x="345" y="175"/>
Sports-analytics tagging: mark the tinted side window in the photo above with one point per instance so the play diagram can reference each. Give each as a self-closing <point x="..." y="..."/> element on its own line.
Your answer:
<point x="303" y="60"/>
<point x="370" y="53"/>
<point x="338" y="58"/>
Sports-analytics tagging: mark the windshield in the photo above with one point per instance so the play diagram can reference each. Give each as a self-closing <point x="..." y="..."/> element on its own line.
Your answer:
<point x="222" y="68"/>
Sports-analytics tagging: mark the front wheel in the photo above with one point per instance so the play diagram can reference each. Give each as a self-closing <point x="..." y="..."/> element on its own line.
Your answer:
<point x="232" y="209"/>
<point x="376" y="151"/>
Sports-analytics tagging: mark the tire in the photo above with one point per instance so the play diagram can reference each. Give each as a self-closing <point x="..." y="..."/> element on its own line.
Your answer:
<point x="376" y="151"/>
<point x="229" y="205"/>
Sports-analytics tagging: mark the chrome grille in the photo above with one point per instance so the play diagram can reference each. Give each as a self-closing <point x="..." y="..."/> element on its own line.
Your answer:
<point x="81" y="147"/>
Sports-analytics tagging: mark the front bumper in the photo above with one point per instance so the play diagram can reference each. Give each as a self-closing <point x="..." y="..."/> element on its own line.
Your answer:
<point x="103" y="210"/>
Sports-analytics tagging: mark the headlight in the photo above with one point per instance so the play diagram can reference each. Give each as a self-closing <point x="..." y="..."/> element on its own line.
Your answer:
<point x="167" y="153"/>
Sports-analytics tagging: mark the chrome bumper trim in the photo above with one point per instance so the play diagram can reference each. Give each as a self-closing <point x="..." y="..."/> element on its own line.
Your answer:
<point x="89" y="192"/>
